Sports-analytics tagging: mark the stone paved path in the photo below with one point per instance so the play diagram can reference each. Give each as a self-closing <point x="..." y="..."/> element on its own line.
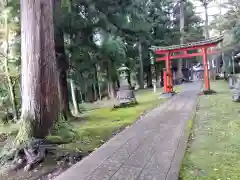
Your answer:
<point x="150" y="149"/>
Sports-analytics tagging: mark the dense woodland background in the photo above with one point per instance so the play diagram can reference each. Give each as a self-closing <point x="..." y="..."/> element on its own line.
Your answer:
<point x="92" y="42"/>
<point x="94" y="38"/>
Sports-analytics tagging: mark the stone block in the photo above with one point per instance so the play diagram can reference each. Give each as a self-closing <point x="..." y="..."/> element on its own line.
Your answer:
<point x="236" y="95"/>
<point x="236" y="91"/>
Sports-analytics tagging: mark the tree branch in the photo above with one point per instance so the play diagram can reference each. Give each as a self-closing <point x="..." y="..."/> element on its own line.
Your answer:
<point x="5" y="56"/>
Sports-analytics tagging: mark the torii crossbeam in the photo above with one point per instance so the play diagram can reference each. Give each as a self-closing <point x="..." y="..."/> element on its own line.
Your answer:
<point x="182" y="51"/>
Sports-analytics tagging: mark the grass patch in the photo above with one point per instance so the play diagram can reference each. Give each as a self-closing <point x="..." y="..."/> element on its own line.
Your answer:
<point x="214" y="150"/>
<point x="103" y="123"/>
<point x="99" y="122"/>
<point x="8" y="128"/>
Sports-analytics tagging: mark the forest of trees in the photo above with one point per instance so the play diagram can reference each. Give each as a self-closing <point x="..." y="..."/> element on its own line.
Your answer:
<point x="228" y="25"/>
<point x="91" y="42"/>
<point x="55" y="55"/>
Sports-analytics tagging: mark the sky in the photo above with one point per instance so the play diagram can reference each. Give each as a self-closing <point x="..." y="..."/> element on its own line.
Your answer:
<point x="213" y="9"/>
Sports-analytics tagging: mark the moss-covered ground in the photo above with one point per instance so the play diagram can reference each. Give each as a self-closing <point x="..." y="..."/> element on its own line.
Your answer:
<point x="102" y="123"/>
<point x="99" y="122"/>
<point x="213" y="151"/>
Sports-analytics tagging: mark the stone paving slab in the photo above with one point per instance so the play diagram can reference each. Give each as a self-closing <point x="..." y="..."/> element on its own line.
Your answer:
<point x="150" y="149"/>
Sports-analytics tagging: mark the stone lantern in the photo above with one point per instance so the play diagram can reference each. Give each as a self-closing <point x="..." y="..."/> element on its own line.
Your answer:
<point x="123" y="77"/>
<point x="234" y="81"/>
<point x="125" y="94"/>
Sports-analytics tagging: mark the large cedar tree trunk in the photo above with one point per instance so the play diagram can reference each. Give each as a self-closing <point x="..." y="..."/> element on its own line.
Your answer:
<point x="74" y="98"/>
<point x="40" y="95"/>
<point x="149" y="76"/>
<point x="141" y="72"/>
<point x="149" y="73"/>
<point x="111" y="83"/>
<point x="206" y="29"/>
<point x="157" y="74"/>
<point x="62" y="61"/>
<point x="182" y="24"/>
<point x="97" y="88"/>
<point x="98" y="82"/>
<point x="111" y="89"/>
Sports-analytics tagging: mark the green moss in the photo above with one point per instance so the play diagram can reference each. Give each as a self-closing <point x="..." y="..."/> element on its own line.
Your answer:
<point x="101" y="122"/>
<point x="104" y="122"/>
<point x="63" y="132"/>
<point x="214" y="151"/>
<point x="9" y="128"/>
<point x="189" y="126"/>
<point x="24" y="132"/>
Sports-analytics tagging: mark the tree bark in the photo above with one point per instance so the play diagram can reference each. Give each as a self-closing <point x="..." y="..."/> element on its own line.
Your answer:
<point x="40" y="94"/>
<point x="111" y="89"/>
<point x="90" y="93"/>
<point x="149" y="76"/>
<point x="221" y="44"/>
<point x="62" y="61"/>
<point x="182" y="23"/>
<point x="129" y="78"/>
<point x="81" y="96"/>
<point x="95" y="92"/>
<point x="74" y="99"/>
<point x="141" y="72"/>
<point x="157" y="74"/>
<point x="85" y="92"/>
<point x="96" y="84"/>
<point x="162" y="79"/>
<point x="111" y="83"/>
<point x="205" y="4"/>
<point x="99" y="85"/>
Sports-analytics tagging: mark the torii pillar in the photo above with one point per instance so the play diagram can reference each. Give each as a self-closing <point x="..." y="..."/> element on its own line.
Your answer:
<point x="206" y="72"/>
<point x="168" y="78"/>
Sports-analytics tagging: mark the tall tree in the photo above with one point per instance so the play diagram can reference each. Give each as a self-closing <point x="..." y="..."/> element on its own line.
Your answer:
<point x="61" y="58"/>
<point x="182" y="34"/>
<point x="205" y="4"/>
<point x="40" y="95"/>
<point x="229" y="25"/>
<point x="192" y="26"/>
<point x="141" y="73"/>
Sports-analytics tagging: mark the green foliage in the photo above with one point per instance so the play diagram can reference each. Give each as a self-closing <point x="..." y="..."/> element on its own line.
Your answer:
<point x="193" y="29"/>
<point x="9" y="13"/>
<point x="63" y="132"/>
<point x="229" y="24"/>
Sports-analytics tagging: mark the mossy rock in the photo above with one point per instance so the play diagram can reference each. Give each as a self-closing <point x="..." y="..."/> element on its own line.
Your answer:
<point x="125" y="105"/>
<point x="209" y="92"/>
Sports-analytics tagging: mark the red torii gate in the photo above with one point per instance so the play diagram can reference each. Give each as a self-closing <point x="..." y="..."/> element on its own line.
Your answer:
<point x="181" y="51"/>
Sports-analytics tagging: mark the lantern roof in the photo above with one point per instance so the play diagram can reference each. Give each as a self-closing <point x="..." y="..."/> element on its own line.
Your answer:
<point x="123" y="68"/>
<point x="237" y="56"/>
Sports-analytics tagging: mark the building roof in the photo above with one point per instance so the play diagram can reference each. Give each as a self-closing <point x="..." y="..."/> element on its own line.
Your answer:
<point x="237" y="56"/>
